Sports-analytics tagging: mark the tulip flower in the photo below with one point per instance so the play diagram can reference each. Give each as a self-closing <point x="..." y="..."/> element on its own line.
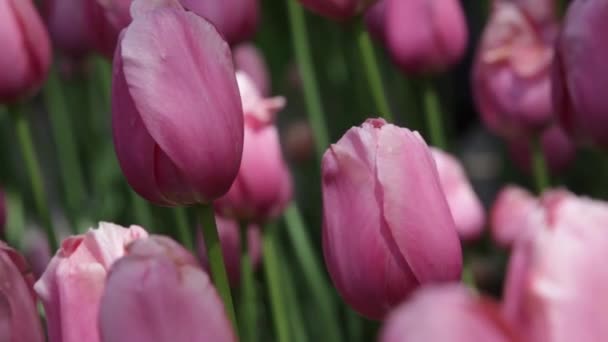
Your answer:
<point x="26" y="54"/>
<point x="375" y="17"/>
<point x="511" y="73"/>
<point x="510" y="214"/>
<point x="36" y="250"/>
<point x="249" y="60"/>
<point x="72" y="25"/>
<point x="236" y="20"/>
<point x="263" y="186"/>
<point x="158" y="293"/>
<point x="447" y="313"/>
<point x="557" y="148"/>
<point x="337" y="9"/>
<point x="72" y="285"/>
<point x="19" y="321"/>
<point x="387" y="227"/>
<point x="177" y="119"/>
<point x="230" y="239"/>
<point x="580" y="75"/>
<point x="465" y="206"/>
<point x="425" y="35"/>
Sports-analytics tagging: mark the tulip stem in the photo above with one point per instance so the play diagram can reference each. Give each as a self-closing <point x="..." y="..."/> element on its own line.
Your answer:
<point x="216" y="259"/>
<point x="372" y="72"/>
<point x="141" y="211"/>
<point x="247" y="305"/>
<point x="291" y="300"/>
<point x="273" y="282"/>
<point x="304" y="251"/>
<point x="303" y="57"/>
<point x="181" y="222"/>
<point x="434" y="119"/>
<point x="541" y="175"/>
<point x="33" y="169"/>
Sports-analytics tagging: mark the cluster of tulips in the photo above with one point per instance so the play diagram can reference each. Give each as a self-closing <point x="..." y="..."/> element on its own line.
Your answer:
<point x="194" y="128"/>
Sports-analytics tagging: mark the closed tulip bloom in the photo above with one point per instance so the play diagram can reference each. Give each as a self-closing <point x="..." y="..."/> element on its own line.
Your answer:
<point x="236" y="20"/>
<point x="337" y="9"/>
<point x="511" y="73"/>
<point x="19" y="321"/>
<point x="558" y="150"/>
<point x="387" y="227"/>
<point x="118" y="12"/>
<point x="375" y="17"/>
<point x="510" y="214"/>
<point x="466" y="208"/>
<point x="158" y="293"/>
<point x="72" y="285"/>
<point x="177" y="119"/>
<point x="447" y="313"/>
<point x="580" y="75"/>
<point x="248" y="59"/>
<point x="425" y="35"/>
<point x="26" y="54"/>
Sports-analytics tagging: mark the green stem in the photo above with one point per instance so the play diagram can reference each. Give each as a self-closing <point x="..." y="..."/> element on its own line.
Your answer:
<point x="33" y="169"/>
<point x="433" y="115"/>
<point x="141" y="211"/>
<point x="183" y="228"/>
<point x="247" y="305"/>
<point x="216" y="258"/>
<point x="313" y="272"/>
<point x="291" y="299"/>
<point x="273" y="281"/>
<point x="70" y="166"/>
<point x="303" y="57"/>
<point x="539" y="167"/>
<point x="372" y="71"/>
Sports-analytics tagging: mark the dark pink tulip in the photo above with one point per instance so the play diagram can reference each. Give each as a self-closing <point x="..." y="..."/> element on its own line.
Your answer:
<point x="236" y="20"/>
<point x="263" y="186"/>
<point x="176" y="113"/>
<point x="511" y="213"/>
<point x="158" y="293"/>
<point x="230" y="238"/>
<point x="26" y="52"/>
<point x="466" y="208"/>
<point x="580" y="75"/>
<point x="375" y="17"/>
<point x="72" y="285"/>
<point x="19" y="321"/>
<point x="387" y="227"/>
<point x="337" y="9"/>
<point x="118" y="12"/>
<point x="558" y="150"/>
<point x="36" y="250"/>
<point x="511" y="73"/>
<point x="248" y="59"/>
<point x="425" y="35"/>
<point x="447" y="313"/>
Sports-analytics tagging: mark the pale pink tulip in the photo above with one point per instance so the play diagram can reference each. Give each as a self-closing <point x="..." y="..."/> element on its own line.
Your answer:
<point x="510" y="214"/>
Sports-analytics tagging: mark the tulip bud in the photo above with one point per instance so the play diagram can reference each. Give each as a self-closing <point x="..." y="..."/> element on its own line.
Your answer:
<point x="375" y="17"/>
<point x="447" y="313"/>
<point x="510" y="214"/>
<point x="19" y="320"/>
<point x="263" y="186"/>
<point x="248" y="59"/>
<point x="337" y="9"/>
<point x="26" y="54"/>
<point x="425" y="35"/>
<point x="72" y="25"/>
<point x="465" y="206"/>
<point x="558" y="150"/>
<point x="236" y="20"/>
<point x="158" y="293"/>
<point x="72" y="285"/>
<point x="387" y="227"/>
<point x="580" y="76"/>
<point x="511" y="73"/>
<point x="176" y="114"/>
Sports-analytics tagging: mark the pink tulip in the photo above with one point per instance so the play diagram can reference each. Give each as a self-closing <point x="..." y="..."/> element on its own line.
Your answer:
<point x="579" y="74"/>
<point x="230" y="238"/>
<point x="510" y="214"/>
<point x="337" y="9"/>
<point x="387" y="227"/>
<point x="236" y="20"/>
<point x="176" y="114"/>
<point x="118" y="12"/>
<point x="263" y="186"/>
<point x="248" y="59"/>
<point x="425" y="35"/>
<point x="511" y="73"/>
<point x="447" y="313"/>
<point x="37" y="251"/>
<point x="558" y="150"/>
<point x="19" y="321"/>
<point x="465" y="206"/>
<point x="26" y="52"/>
<point x="72" y="285"/>
<point x="375" y="17"/>
<point x="158" y="293"/>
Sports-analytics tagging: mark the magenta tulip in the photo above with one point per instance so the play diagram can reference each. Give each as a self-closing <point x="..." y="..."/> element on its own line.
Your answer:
<point x="26" y="54"/>
<point x="375" y="17"/>
<point x="511" y="73"/>
<point x="465" y="206"/>
<point x="176" y="113"/>
<point x="510" y="214"/>
<point x="72" y="285"/>
<point x="236" y="20"/>
<point x="447" y="313"/>
<point x="19" y="321"/>
<point x="580" y="76"/>
<point x="558" y="150"/>
<point x="387" y="227"/>
<point x="425" y="35"/>
<point x="158" y="293"/>
<point x="337" y="9"/>
<point x="248" y="59"/>
<point x="263" y="186"/>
